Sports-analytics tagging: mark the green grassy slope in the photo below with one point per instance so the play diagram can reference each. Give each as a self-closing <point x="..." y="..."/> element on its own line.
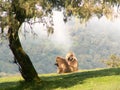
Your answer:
<point x="105" y="79"/>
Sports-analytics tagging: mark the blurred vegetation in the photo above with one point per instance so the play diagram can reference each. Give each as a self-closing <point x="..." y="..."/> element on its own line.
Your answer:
<point x="24" y="10"/>
<point x="112" y="62"/>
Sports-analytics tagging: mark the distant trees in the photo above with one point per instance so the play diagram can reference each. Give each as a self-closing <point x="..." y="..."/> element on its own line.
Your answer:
<point x="112" y="61"/>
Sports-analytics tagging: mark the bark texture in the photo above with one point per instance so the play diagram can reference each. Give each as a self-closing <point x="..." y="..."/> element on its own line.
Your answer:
<point x="26" y="67"/>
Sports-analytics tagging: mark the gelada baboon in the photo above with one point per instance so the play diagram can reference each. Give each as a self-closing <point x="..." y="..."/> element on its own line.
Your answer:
<point x="72" y="61"/>
<point x="62" y="65"/>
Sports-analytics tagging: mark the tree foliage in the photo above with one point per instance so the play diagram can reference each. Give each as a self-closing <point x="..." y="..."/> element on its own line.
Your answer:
<point x="112" y="61"/>
<point x="24" y="10"/>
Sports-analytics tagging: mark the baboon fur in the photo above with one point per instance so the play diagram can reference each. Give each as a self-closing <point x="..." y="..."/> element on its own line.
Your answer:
<point x="62" y="65"/>
<point x="72" y="61"/>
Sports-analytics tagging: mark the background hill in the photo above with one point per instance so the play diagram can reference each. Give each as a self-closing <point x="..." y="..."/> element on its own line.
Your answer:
<point x="91" y="43"/>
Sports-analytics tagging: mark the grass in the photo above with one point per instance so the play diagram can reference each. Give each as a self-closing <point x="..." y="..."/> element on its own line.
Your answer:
<point x="104" y="79"/>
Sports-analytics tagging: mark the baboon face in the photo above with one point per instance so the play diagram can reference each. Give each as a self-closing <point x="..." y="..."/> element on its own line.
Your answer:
<point x="62" y="65"/>
<point x="70" y="56"/>
<point x="72" y="61"/>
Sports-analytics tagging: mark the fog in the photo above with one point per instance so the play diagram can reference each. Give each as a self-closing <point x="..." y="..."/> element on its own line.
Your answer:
<point x="60" y="36"/>
<point x="100" y="30"/>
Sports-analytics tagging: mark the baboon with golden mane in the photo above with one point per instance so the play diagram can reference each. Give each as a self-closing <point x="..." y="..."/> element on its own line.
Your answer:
<point x="72" y="61"/>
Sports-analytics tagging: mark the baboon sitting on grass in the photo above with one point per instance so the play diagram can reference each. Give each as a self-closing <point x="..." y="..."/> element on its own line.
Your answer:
<point x="72" y="61"/>
<point x="62" y="65"/>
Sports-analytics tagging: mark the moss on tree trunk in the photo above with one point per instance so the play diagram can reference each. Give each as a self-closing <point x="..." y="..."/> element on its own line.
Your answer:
<point x="26" y="67"/>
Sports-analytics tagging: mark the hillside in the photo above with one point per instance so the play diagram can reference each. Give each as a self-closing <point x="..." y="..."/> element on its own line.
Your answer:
<point x="91" y="44"/>
<point x="103" y="79"/>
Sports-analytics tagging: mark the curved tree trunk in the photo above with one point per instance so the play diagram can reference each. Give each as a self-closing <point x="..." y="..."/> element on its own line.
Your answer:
<point x="26" y="67"/>
<point x="17" y="17"/>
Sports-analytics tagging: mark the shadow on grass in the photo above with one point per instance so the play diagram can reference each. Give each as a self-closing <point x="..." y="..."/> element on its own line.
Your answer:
<point x="60" y="81"/>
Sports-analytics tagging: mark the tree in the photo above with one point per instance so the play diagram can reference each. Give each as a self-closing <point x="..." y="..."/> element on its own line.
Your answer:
<point x="113" y="61"/>
<point x="13" y="13"/>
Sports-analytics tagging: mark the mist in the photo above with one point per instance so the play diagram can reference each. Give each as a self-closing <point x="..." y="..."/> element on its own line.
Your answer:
<point x="90" y="41"/>
<point x="60" y="37"/>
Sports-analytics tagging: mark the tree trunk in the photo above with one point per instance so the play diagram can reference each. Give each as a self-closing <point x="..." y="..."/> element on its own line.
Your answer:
<point x="26" y="67"/>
